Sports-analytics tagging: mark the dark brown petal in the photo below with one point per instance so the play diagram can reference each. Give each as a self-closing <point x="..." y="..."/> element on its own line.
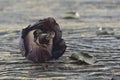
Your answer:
<point x="21" y="45"/>
<point x="36" y="52"/>
<point x="39" y="54"/>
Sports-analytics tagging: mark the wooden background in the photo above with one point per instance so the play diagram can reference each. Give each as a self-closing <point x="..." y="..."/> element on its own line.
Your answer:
<point x="79" y="34"/>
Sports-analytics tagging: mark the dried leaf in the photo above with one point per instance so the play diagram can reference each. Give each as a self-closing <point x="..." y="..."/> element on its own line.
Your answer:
<point x="71" y="15"/>
<point x="84" y="57"/>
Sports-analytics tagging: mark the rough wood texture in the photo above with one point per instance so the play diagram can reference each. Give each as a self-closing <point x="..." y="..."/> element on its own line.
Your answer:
<point x="79" y="34"/>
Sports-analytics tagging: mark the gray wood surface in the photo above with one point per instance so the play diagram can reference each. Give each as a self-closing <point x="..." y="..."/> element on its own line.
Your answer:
<point x="79" y="34"/>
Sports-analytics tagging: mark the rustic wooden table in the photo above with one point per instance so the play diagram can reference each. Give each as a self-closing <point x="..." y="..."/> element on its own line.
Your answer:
<point x="79" y="34"/>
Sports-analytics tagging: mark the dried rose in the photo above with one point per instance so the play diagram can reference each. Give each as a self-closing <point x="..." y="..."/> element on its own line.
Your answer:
<point x="42" y="41"/>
